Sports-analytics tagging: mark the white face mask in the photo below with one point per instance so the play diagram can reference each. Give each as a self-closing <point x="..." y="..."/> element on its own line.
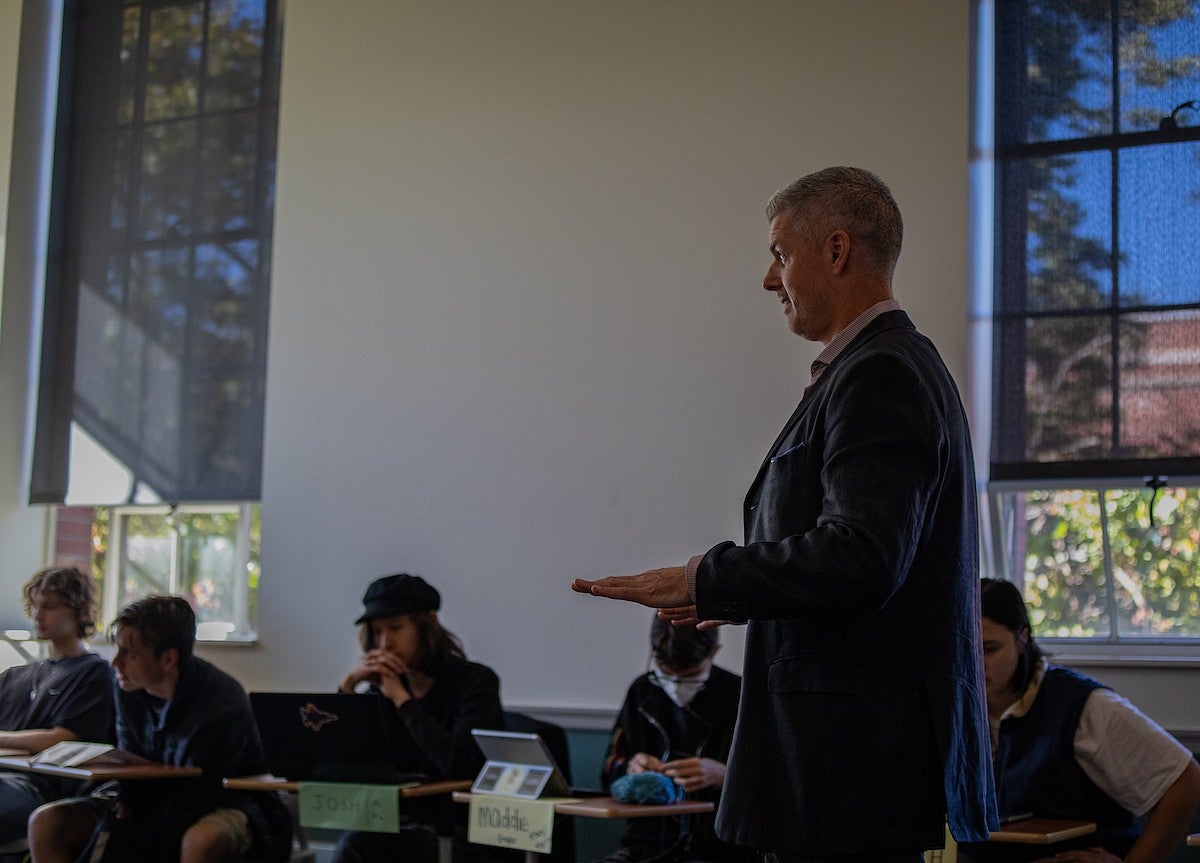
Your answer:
<point x="681" y="690"/>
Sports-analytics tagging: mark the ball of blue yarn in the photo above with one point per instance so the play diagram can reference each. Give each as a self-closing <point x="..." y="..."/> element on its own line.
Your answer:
<point x="647" y="787"/>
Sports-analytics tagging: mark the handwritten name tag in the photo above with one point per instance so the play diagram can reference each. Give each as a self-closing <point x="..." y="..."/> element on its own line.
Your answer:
<point x="342" y="806"/>
<point x="510" y="822"/>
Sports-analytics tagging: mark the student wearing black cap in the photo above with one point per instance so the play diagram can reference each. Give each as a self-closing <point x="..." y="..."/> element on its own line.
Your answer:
<point x="419" y="665"/>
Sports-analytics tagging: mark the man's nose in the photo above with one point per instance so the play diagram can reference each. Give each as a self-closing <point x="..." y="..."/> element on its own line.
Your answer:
<point x="771" y="279"/>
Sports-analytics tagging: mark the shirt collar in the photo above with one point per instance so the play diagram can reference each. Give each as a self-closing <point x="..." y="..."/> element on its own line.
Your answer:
<point x="838" y="343"/>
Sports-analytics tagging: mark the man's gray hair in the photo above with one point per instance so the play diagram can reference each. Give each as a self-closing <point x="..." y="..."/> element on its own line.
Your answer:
<point x="852" y="199"/>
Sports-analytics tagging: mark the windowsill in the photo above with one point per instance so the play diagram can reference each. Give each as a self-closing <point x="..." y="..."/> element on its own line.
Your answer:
<point x="101" y="643"/>
<point x="1182" y="656"/>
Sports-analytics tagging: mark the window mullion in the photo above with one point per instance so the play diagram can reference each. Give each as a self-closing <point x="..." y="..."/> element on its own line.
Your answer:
<point x="1110" y="583"/>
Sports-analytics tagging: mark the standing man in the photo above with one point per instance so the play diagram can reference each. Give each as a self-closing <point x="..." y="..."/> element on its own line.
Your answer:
<point x="862" y="722"/>
<point x="173" y="708"/>
<point x="67" y="696"/>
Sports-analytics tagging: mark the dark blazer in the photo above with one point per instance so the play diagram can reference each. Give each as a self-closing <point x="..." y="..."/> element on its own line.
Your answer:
<point x="862" y="715"/>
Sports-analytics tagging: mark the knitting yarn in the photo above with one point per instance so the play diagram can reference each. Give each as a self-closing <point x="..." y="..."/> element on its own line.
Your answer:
<point x="649" y="787"/>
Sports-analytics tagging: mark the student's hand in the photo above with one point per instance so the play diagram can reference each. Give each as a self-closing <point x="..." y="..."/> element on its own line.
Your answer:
<point x="643" y="762"/>
<point x="361" y="673"/>
<point x="692" y="774"/>
<point x="389" y="672"/>
<point x="1085" y="855"/>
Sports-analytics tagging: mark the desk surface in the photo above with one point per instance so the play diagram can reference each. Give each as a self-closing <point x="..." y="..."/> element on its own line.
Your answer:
<point x="606" y="807"/>
<point x="1041" y="831"/>
<point x="101" y="771"/>
<point x="268" y="782"/>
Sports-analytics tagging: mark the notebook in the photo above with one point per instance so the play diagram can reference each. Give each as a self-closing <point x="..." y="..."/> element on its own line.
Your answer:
<point x="335" y="737"/>
<point x="503" y="749"/>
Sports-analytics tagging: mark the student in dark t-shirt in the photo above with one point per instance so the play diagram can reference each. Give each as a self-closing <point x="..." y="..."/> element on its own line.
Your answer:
<point x="67" y="696"/>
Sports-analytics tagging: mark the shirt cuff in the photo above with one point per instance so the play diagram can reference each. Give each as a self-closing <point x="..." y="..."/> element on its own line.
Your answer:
<point x="689" y="572"/>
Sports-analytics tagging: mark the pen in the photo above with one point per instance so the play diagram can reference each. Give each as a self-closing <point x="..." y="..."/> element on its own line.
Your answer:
<point x="1009" y="819"/>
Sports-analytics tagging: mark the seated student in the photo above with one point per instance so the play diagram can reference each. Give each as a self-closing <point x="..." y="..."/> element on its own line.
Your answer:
<point x="173" y="708"/>
<point x="677" y="720"/>
<point x="419" y="665"/>
<point x="1066" y="746"/>
<point x="67" y="696"/>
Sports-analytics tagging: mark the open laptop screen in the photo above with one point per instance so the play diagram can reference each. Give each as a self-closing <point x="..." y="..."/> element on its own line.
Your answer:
<point x="335" y="737"/>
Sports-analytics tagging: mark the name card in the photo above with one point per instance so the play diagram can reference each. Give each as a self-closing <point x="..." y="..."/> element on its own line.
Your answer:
<point x="509" y="822"/>
<point x="344" y="806"/>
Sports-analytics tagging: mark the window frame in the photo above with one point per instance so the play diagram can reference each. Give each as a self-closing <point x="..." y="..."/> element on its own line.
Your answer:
<point x="1009" y="301"/>
<point x="986" y="259"/>
<point x="116" y="560"/>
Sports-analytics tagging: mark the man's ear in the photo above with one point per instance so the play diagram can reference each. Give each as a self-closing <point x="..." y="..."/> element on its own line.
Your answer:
<point x="837" y="249"/>
<point x="169" y="659"/>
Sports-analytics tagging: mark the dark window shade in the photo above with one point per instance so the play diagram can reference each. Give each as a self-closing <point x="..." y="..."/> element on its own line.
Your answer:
<point x="155" y="323"/>
<point x="1096" y="348"/>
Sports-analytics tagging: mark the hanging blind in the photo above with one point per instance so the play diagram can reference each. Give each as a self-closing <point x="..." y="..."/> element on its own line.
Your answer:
<point x="154" y="343"/>
<point x="1096" y="366"/>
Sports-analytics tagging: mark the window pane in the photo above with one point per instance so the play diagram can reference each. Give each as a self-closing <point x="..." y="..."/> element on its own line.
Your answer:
<point x="1160" y="377"/>
<point x="234" y="53"/>
<point x="1054" y="62"/>
<point x="1160" y="66"/>
<point x="227" y="303"/>
<point x="1160" y="233"/>
<point x="1068" y="401"/>
<point x="145" y="564"/>
<point x="168" y="156"/>
<point x="127" y="82"/>
<point x="208" y="564"/>
<point x="173" y="65"/>
<point x="1156" y="567"/>
<point x="228" y="156"/>
<point x="1064" y="569"/>
<point x="1069" y="225"/>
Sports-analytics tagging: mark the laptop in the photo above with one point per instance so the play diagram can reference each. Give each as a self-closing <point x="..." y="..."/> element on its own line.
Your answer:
<point x="504" y="749"/>
<point x="335" y="737"/>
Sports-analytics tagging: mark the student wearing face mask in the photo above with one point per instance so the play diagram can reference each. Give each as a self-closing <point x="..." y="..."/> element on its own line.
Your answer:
<point x="677" y="720"/>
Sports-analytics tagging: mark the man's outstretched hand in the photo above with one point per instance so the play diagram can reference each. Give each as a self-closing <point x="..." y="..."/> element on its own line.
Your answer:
<point x="662" y="589"/>
<point x="656" y="588"/>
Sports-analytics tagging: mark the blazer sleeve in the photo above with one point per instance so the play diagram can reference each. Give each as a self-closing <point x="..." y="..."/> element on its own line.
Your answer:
<point x="877" y="461"/>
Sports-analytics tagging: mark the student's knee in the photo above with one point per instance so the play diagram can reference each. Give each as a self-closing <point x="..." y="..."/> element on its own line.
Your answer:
<point x="59" y="830"/>
<point x="217" y="837"/>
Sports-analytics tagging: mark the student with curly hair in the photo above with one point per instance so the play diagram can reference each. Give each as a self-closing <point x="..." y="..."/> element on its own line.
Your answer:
<point x="66" y="696"/>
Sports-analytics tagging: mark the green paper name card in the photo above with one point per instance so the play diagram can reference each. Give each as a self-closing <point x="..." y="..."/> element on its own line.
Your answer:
<point x="509" y="822"/>
<point x="343" y="806"/>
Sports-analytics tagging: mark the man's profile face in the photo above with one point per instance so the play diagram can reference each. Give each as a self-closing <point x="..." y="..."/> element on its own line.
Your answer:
<point x="796" y="277"/>
<point x="135" y="663"/>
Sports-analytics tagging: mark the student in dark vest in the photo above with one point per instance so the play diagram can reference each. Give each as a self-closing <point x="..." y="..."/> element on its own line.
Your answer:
<point x="1067" y="746"/>
<point x="419" y="665"/>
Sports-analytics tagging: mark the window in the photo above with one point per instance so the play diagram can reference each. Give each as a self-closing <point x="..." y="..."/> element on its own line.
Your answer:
<point x="155" y="313"/>
<point x="209" y="554"/>
<point x="1095" y="410"/>
<point x="154" y="344"/>
<point x="1104" y="565"/>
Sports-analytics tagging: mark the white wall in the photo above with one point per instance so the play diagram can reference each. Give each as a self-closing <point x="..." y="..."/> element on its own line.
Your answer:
<point x="21" y="528"/>
<point x="517" y="333"/>
<point x="516" y="329"/>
